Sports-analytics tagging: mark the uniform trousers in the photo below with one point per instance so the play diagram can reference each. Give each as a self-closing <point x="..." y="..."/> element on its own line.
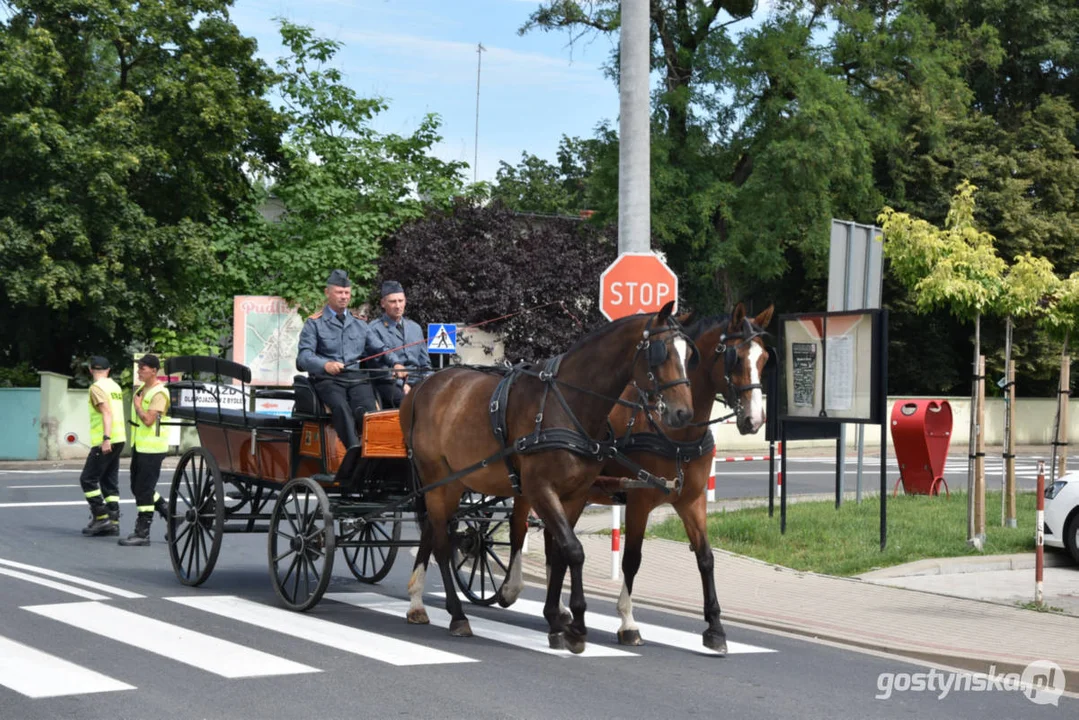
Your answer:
<point x="145" y="472"/>
<point x="102" y="472"/>
<point x="390" y="394"/>
<point x="349" y="399"/>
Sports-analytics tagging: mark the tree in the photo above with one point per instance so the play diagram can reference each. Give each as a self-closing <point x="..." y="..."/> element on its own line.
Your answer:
<point x="537" y="186"/>
<point x="125" y="130"/>
<point x="956" y="268"/>
<point x="343" y="185"/>
<point x="473" y="264"/>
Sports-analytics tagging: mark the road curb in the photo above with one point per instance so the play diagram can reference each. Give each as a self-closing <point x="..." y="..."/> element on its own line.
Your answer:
<point x="967" y="564"/>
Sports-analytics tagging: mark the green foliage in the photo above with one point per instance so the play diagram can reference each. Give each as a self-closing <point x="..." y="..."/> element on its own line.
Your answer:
<point x="538" y="186"/>
<point x="124" y="131"/>
<point x="1028" y="287"/>
<point x="955" y="268"/>
<point x="21" y="375"/>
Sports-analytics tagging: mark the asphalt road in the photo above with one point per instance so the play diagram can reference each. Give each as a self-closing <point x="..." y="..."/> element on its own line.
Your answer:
<point x="91" y="630"/>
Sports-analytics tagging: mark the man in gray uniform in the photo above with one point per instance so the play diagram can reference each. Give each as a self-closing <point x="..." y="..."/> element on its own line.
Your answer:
<point x="332" y="342"/>
<point x="410" y="361"/>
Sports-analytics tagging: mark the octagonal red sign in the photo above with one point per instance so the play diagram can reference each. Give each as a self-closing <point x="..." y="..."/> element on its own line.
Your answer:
<point x="636" y="283"/>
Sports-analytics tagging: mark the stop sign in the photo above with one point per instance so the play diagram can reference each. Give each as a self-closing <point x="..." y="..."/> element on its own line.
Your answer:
<point x="636" y="283"/>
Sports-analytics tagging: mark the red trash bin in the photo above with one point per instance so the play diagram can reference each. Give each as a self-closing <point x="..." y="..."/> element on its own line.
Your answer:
<point x="921" y="434"/>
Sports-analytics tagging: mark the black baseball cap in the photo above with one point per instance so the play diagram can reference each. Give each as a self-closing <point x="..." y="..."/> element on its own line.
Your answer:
<point x="150" y="361"/>
<point x="99" y="362"/>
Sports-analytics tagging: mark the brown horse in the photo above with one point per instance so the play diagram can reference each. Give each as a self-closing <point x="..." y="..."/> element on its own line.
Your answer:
<point x="731" y="367"/>
<point x="555" y="426"/>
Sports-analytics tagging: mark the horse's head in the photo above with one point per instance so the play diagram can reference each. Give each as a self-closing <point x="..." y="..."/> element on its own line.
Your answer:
<point x="663" y="355"/>
<point x="740" y="357"/>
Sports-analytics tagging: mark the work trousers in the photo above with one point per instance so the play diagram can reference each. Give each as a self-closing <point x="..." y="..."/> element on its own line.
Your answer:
<point x="100" y="477"/>
<point x="348" y="401"/>
<point x="145" y="472"/>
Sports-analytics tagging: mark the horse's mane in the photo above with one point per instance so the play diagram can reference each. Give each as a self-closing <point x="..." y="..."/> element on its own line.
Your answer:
<point x="601" y="330"/>
<point x="697" y="325"/>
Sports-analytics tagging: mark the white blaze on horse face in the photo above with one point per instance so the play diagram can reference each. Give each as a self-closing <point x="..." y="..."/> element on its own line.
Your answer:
<point x="625" y="610"/>
<point x="756" y="398"/>
<point x="682" y="349"/>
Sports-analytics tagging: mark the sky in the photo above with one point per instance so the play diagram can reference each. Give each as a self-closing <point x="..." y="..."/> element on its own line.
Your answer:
<point x="420" y="56"/>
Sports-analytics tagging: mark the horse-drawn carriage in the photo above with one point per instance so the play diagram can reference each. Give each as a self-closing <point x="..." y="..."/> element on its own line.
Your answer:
<point x="291" y="477"/>
<point x="549" y="436"/>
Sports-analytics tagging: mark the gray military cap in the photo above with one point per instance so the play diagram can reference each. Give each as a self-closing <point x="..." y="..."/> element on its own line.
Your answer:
<point x="338" y="278"/>
<point x="390" y="287"/>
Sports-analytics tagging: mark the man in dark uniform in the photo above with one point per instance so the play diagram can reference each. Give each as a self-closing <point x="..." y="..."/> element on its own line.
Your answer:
<point x="332" y="342"/>
<point x="410" y="359"/>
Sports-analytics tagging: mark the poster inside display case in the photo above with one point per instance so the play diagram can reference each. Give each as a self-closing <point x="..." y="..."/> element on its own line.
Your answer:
<point x="834" y="366"/>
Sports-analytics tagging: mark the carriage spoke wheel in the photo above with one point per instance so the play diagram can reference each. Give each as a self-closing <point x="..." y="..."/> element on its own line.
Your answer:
<point x="369" y="560"/>
<point x="196" y="516"/>
<point x="301" y="543"/>
<point x="481" y="549"/>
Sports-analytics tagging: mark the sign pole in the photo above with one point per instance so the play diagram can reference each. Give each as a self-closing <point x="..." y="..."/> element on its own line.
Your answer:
<point x="634" y="169"/>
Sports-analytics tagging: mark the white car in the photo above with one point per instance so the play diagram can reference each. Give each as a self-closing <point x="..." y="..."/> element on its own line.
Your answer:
<point x="1062" y="514"/>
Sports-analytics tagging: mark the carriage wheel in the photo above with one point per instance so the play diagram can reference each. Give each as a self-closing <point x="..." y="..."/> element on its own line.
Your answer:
<point x="197" y="512"/>
<point x="481" y="548"/>
<point x="301" y="543"/>
<point x="369" y="561"/>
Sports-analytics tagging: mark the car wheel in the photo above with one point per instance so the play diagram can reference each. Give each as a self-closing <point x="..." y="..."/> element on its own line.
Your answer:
<point x="1071" y="535"/>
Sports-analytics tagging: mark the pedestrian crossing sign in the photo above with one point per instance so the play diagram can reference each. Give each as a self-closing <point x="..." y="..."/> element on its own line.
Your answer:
<point x="442" y="338"/>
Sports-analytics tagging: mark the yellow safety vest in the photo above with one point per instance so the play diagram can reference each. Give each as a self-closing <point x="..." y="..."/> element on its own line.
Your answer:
<point x="149" y="439"/>
<point x="97" y="419"/>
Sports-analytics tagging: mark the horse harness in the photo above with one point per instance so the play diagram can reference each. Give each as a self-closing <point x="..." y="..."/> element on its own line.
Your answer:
<point x="576" y="439"/>
<point x="729" y="350"/>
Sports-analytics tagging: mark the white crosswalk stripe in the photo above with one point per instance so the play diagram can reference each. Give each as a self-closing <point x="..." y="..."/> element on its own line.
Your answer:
<point x="651" y="633"/>
<point x="220" y="657"/>
<point x="489" y="629"/>
<point x="324" y="632"/>
<point x="36" y="673"/>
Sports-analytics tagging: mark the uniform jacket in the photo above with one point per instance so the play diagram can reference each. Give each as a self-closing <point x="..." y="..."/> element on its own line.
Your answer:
<point x="325" y="338"/>
<point x="414" y="357"/>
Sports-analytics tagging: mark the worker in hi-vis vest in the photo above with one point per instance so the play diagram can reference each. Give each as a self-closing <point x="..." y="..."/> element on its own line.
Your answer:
<point x="149" y="443"/>
<point x="100" y="477"/>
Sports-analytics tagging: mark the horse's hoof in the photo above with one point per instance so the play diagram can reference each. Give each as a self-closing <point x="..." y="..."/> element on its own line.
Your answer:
<point x="460" y="628"/>
<point x="502" y="601"/>
<point x="417" y="617"/>
<point x="716" y="641"/>
<point x="630" y="637"/>
<point x="556" y="640"/>
<point x="574" y="642"/>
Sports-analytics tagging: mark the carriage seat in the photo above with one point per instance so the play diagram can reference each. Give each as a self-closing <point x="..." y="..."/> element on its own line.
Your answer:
<point x="306" y="403"/>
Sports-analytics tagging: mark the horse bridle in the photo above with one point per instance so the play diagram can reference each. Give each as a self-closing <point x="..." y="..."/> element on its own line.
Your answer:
<point x="656" y="353"/>
<point x="730" y="358"/>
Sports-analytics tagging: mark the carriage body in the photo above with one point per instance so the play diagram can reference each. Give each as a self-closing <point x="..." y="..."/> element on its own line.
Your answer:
<point x="258" y="472"/>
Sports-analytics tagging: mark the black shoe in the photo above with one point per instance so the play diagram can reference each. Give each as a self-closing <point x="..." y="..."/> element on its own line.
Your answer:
<point x="101" y="526"/>
<point x="141" y="536"/>
<point x="134" y="540"/>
